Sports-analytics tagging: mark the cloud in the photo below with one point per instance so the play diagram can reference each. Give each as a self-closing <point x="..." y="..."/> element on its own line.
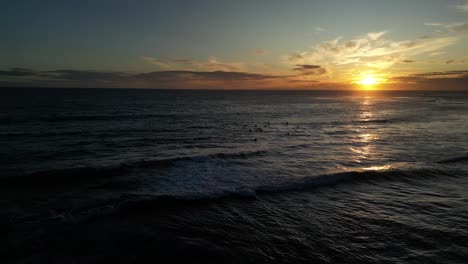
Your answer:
<point x="422" y="77"/>
<point x="198" y="75"/>
<point x="178" y="79"/>
<point x="448" y="80"/>
<point x="445" y="74"/>
<point x="319" y="30"/>
<point x="17" y="72"/>
<point x="260" y="52"/>
<point x="71" y="75"/>
<point x="432" y="24"/>
<point x="369" y="51"/>
<point x="460" y="60"/>
<point x="77" y="75"/>
<point x="212" y="64"/>
<point x="457" y="27"/>
<point x="171" y="78"/>
<point x="159" y="63"/>
<point x="437" y="53"/>
<point x="462" y="7"/>
<point x="309" y="69"/>
<point x="375" y="35"/>
<point x="456" y="61"/>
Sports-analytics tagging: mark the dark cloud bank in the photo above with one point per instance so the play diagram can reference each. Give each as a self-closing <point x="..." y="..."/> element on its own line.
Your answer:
<point x="20" y="77"/>
<point x="308" y="69"/>
<point x="158" y="79"/>
<point x="448" y="80"/>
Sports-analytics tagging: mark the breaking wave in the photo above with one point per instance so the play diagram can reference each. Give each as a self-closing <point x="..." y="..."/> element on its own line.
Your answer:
<point x="132" y="201"/>
<point x="82" y="173"/>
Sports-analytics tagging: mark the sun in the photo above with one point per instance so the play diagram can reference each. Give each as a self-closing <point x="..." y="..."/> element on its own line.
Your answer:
<point x="369" y="81"/>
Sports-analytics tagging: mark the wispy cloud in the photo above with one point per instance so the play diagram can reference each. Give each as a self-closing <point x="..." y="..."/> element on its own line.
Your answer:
<point x="376" y="35"/>
<point x="212" y="64"/>
<point x="157" y="62"/>
<point x="309" y="69"/>
<point x="260" y="52"/>
<point x="462" y="60"/>
<point x="319" y="29"/>
<point x="371" y="50"/>
<point x="444" y="74"/>
<point x="198" y="75"/>
<point x="456" y="27"/>
<point x="433" y="24"/>
<point x="437" y="53"/>
<point x="462" y="7"/>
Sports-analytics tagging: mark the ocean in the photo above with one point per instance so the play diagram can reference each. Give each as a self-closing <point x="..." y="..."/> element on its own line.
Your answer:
<point x="135" y="175"/>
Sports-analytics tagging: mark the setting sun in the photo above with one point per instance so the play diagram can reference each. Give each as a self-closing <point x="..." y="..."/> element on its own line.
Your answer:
<point x="369" y="81"/>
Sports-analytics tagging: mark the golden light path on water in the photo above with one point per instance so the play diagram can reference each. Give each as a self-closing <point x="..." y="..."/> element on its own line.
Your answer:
<point x="365" y="151"/>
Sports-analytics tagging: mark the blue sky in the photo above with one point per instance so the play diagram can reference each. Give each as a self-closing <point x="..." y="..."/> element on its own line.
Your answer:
<point x="238" y="36"/>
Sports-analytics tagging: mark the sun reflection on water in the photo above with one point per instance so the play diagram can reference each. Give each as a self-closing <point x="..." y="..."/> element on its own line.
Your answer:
<point x="377" y="168"/>
<point x="363" y="148"/>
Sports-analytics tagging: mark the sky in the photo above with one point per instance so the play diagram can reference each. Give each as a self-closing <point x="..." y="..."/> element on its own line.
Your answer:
<point x="204" y="44"/>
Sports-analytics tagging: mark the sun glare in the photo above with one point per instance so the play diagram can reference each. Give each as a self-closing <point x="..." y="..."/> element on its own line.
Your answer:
<point x="369" y="81"/>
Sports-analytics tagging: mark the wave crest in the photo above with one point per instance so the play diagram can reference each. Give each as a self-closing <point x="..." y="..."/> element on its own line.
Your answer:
<point x="463" y="158"/>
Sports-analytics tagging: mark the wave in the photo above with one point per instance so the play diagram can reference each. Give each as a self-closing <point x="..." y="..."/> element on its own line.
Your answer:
<point x="308" y="182"/>
<point x="458" y="159"/>
<point x="373" y="121"/>
<point x="85" y="133"/>
<point x="130" y="201"/>
<point x="71" y="175"/>
<point x="134" y="201"/>
<point x="5" y="120"/>
<point x="147" y="201"/>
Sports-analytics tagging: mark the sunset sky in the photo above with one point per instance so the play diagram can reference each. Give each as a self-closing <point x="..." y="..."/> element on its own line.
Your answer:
<point x="320" y="44"/>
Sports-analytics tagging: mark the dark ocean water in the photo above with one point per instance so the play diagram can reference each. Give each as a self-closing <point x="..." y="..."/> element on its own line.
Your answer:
<point x="130" y="176"/>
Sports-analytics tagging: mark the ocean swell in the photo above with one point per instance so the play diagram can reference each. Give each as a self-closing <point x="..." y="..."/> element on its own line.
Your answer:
<point x="458" y="159"/>
<point x="94" y="172"/>
<point x="134" y="200"/>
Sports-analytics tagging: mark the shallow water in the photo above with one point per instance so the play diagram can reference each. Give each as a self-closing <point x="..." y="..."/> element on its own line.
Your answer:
<point x="251" y="176"/>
